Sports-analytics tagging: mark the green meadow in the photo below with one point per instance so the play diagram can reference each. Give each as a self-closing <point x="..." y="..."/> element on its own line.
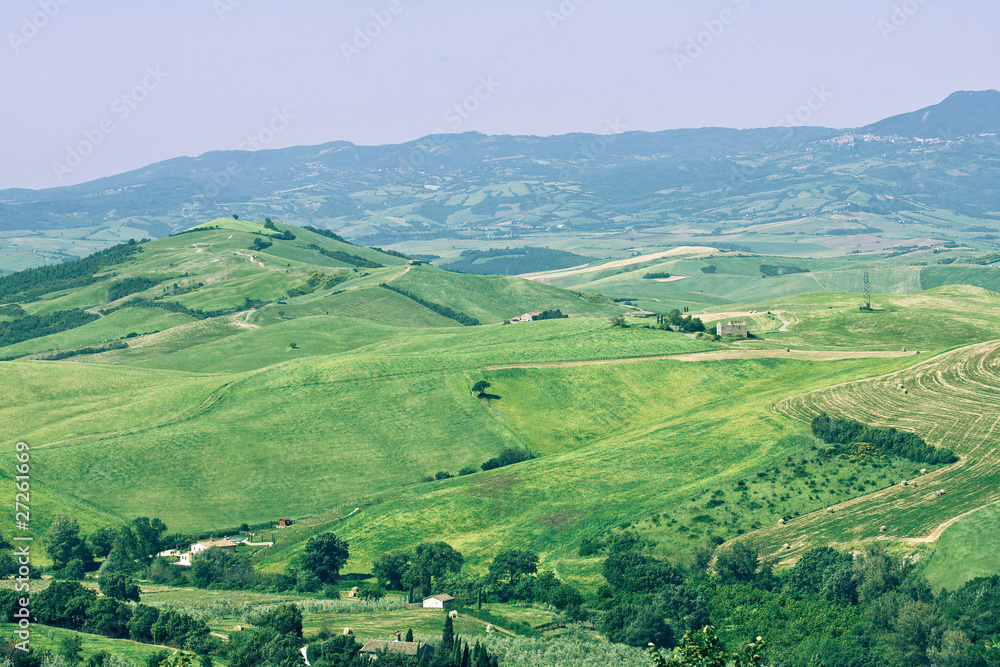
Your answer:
<point x="969" y="548"/>
<point x="317" y="391"/>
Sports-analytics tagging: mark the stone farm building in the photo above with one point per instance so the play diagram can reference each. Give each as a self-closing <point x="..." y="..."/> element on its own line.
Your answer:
<point x="732" y="329"/>
<point x="443" y="601"/>
<point x="527" y="317"/>
<point x="418" y="650"/>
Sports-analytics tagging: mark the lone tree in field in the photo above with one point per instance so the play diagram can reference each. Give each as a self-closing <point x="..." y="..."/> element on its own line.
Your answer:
<point x="480" y="388"/>
<point x="324" y="556"/>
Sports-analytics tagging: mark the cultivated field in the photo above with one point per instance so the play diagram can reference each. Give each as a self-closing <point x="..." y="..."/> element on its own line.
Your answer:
<point x="952" y="400"/>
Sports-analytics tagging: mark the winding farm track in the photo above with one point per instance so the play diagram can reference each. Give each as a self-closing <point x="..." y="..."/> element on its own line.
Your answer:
<point x="952" y="400"/>
<point x="721" y="355"/>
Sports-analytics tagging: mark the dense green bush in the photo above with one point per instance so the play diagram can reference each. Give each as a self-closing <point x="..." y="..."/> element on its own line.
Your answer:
<point x="30" y="283"/>
<point x="885" y="440"/>
<point x="509" y="456"/>
<point x="345" y="257"/>
<point x="36" y="326"/>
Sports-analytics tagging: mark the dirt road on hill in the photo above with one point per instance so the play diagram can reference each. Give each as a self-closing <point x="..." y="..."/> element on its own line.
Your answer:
<point x="937" y="532"/>
<point x="244" y="321"/>
<point x="545" y="277"/>
<point x="722" y="355"/>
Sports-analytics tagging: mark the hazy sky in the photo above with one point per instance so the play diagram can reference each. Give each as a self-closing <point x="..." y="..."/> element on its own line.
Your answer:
<point x="96" y="87"/>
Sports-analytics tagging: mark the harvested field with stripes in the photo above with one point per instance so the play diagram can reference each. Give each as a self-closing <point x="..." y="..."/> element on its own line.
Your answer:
<point x="952" y="400"/>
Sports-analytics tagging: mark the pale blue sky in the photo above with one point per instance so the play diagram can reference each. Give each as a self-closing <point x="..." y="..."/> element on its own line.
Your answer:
<point x="200" y="75"/>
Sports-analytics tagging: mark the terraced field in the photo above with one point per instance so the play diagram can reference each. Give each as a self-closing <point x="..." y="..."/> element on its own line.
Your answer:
<point x="952" y="400"/>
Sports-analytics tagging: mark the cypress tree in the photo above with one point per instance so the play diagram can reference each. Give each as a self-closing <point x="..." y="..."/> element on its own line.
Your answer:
<point x="448" y="635"/>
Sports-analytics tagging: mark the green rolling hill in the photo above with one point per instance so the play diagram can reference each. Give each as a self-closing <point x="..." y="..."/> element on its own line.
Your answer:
<point x="214" y="385"/>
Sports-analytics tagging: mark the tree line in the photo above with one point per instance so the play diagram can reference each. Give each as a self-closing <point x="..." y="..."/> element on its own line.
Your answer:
<point x="461" y="318"/>
<point x="867" y="608"/>
<point x="507" y="456"/>
<point x="674" y="319"/>
<point x="131" y="285"/>
<point x="36" y="326"/>
<point x="848" y="433"/>
<point x="31" y="283"/>
<point x="345" y="257"/>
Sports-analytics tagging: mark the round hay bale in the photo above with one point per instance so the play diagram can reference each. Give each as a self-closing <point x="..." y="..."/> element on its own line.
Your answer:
<point x="490" y="628"/>
<point x="237" y="628"/>
<point x="353" y="593"/>
<point x="882" y="529"/>
<point x="923" y="471"/>
<point x="452" y="614"/>
<point x="348" y="631"/>
<point x="904" y="483"/>
<point x="829" y="510"/>
<point x="941" y="492"/>
<point x="781" y="522"/>
<point x="786" y="546"/>
<point x="905" y="392"/>
<point x="904" y="349"/>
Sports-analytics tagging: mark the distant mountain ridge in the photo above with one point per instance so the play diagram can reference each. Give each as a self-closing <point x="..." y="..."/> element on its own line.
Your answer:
<point x="961" y="114"/>
<point x="471" y="186"/>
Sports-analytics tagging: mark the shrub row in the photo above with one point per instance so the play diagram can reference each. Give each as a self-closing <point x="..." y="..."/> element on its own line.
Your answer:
<point x="461" y="318"/>
<point x="31" y="283"/>
<point x="886" y="440"/>
<point x="127" y="286"/>
<point x="345" y="257"/>
<point x="36" y="326"/>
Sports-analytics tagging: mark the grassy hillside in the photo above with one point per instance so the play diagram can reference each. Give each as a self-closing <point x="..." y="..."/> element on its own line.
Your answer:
<point x="703" y="279"/>
<point x="949" y="400"/>
<point x="966" y="550"/>
<point x="262" y="385"/>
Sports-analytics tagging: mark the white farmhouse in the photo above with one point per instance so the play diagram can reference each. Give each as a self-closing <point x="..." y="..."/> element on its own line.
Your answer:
<point x="443" y="601"/>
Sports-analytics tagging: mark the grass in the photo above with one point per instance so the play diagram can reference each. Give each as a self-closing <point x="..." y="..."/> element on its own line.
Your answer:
<point x="210" y="424"/>
<point x="970" y="548"/>
<point x="737" y="278"/>
<point x="129" y="320"/>
<point x="655" y="441"/>
<point x="493" y="298"/>
<point x="950" y="400"/>
<point x="44" y="637"/>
